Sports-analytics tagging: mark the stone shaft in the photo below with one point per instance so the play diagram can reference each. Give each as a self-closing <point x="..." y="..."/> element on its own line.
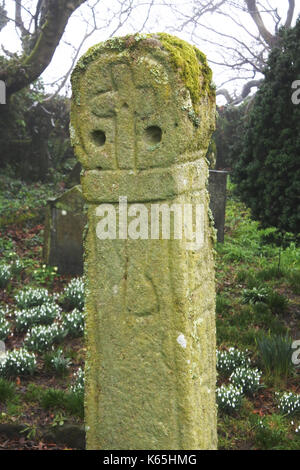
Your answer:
<point x="142" y="116"/>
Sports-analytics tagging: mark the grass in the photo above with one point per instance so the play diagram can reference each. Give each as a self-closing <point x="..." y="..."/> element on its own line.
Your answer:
<point x="21" y="397"/>
<point x="271" y="432"/>
<point x="275" y="356"/>
<point x="56" y="362"/>
<point x="293" y="277"/>
<point x="244" y="262"/>
<point x="7" y="390"/>
<point x="247" y="270"/>
<point x="19" y="201"/>
<point x="55" y="399"/>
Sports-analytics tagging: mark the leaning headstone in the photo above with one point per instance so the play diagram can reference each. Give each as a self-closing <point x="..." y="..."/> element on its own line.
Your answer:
<point x="217" y="191"/>
<point x="2" y="92"/>
<point x="143" y="111"/>
<point x="63" y="236"/>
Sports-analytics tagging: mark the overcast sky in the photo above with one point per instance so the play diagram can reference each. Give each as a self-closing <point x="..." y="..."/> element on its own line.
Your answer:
<point x="161" y="18"/>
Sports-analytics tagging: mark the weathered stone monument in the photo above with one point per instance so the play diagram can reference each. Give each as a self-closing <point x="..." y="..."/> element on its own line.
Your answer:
<point x="143" y="111"/>
<point x="217" y="191"/>
<point x="63" y="237"/>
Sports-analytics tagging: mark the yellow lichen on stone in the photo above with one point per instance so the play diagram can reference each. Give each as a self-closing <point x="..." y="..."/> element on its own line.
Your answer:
<point x="192" y="66"/>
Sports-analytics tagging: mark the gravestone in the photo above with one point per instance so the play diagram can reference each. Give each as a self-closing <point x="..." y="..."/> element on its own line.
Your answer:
<point x="217" y="191"/>
<point x="143" y="112"/>
<point x="63" y="235"/>
<point x="2" y="92"/>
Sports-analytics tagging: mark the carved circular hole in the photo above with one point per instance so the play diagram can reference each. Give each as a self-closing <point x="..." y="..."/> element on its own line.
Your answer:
<point x="99" y="138"/>
<point x="153" y="134"/>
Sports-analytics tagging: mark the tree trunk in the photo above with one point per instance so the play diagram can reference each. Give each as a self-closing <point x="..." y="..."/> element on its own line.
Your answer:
<point x="20" y="73"/>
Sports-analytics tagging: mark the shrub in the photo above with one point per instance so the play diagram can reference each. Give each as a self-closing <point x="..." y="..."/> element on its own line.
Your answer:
<point x="41" y="338"/>
<point x="44" y="274"/>
<point x="269" y="273"/>
<point x="228" y="361"/>
<point x="4" y="326"/>
<point x="5" y="275"/>
<point x="32" y="298"/>
<point x="278" y="303"/>
<point x="246" y="378"/>
<point x="53" y="398"/>
<point x="270" y="432"/>
<point x="229" y="398"/>
<point x="57" y="362"/>
<point x="294" y="280"/>
<point x="73" y="294"/>
<point x="242" y="275"/>
<point x="59" y="399"/>
<point x="227" y="137"/>
<point x="16" y="267"/>
<point x="42" y="315"/>
<point x="75" y="404"/>
<point x="288" y="403"/>
<point x="222" y="304"/>
<point x="7" y="390"/>
<point x="18" y="362"/>
<point x="73" y="323"/>
<point x="267" y="172"/>
<point x="256" y="294"/>
<point x="78" y="385"/>
<point x="275" y="354"/>
<point x="33" y="393"/>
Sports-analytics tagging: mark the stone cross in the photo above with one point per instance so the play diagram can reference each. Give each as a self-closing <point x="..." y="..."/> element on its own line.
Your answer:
<point x="143" y="111"/>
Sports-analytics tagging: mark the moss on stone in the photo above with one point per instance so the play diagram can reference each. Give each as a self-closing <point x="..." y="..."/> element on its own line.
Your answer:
<point x="190" y="61"/>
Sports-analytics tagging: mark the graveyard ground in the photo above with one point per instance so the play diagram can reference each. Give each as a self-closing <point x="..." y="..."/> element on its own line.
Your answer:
<point x="257" y="313"/>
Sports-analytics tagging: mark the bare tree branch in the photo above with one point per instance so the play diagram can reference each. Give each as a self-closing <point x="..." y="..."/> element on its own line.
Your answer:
<point x="290" y="13"/>
<point x="245" y="92"/>
<point x="244" y="49"/>
<point x="256" y="16"/>
<point x="20" y="73"/>
<point x="114" y="22"/>
<point x="18" y="18"/>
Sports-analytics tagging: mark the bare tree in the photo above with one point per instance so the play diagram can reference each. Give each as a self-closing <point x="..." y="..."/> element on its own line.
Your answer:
<point x="240" y="33"/>
<point x="241" y="46"/>
<point x="41" y="24"/>
<point x="97" y="17"/>
<point x="40" y="38"/>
